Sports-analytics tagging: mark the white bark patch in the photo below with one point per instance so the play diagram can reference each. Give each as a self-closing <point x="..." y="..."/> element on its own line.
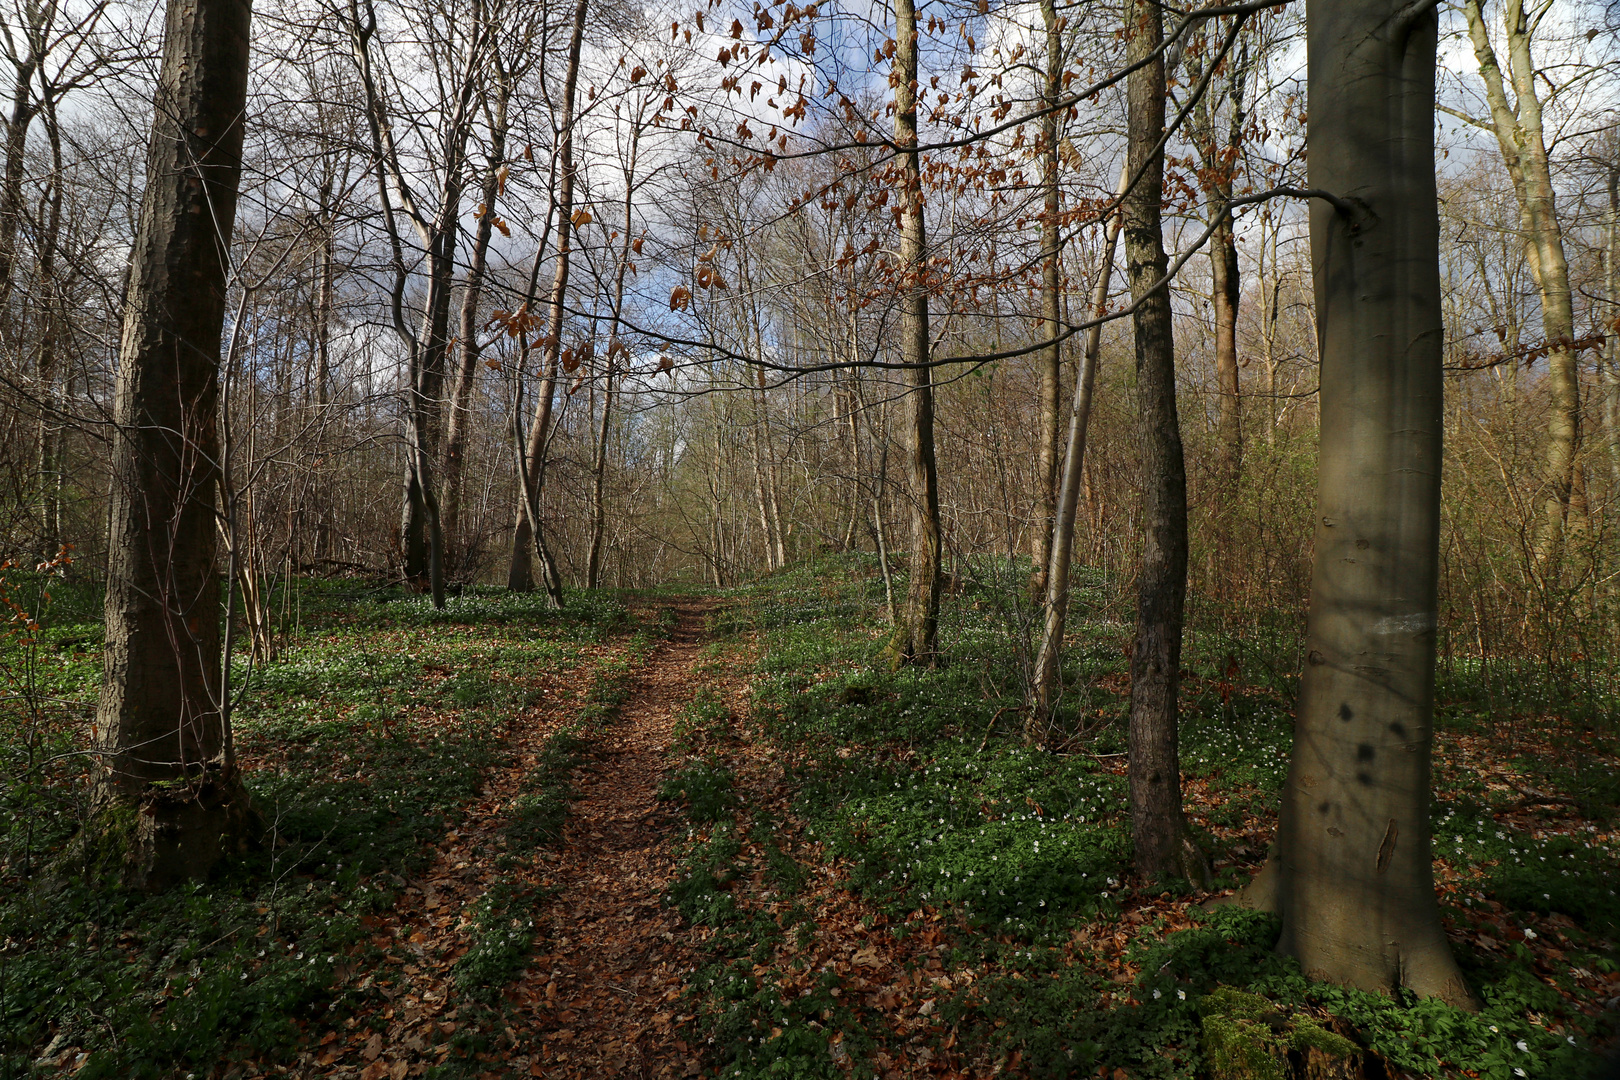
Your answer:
<point x="1419" y="622"/>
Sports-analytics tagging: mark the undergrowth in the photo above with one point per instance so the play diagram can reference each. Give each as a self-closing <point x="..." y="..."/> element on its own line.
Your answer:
<point x="361" y="742"/>
<point x="1010" y="866"/>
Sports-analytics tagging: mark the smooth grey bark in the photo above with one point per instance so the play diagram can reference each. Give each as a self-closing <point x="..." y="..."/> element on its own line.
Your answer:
<point x="1044" y="693"/>
<point x="1163" y="847"/>
<point x="1352" y="874"/>
<point x="165" y="785"/>
<point x="421" y="529"/>
<point x="914" y="635"/>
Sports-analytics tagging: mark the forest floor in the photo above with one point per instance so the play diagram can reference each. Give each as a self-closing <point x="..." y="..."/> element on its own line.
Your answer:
<point x="672" y="834"/>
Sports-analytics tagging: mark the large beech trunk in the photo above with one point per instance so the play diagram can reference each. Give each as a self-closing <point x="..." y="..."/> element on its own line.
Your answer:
<point x="1352" y="873"/>
<point x="914" y="635"/>
<point x="166" y="792"/>
<point x="1159" y="830"/>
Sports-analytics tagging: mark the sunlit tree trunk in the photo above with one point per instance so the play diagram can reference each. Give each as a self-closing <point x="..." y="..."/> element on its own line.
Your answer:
<point x="165" y="786"/>
<point x="914" y="635"/>
<point x="1519" y="135"/>
<point x="1044" y="694"/>
<point x="1051" y="314"/>
<point x="527" y="537"/>
<point x="1163" y="847"/>
<point x="1352" y="875"/>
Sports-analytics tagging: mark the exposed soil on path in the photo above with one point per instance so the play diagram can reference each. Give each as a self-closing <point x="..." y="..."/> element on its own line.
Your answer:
<point x="599" y="997"/>
<point x="611" y="984"/>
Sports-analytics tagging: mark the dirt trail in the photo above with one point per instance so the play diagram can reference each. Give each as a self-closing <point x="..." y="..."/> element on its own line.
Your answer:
<point x="600" y="996"/>
<point x="611" y="984"/>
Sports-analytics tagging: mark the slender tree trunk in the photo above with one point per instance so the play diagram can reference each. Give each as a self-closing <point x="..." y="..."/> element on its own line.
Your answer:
<point x="1352" y="875"/>
<point x="1163" y="846"/>
<point x="324" y="305"/>
<point x="1611" y="328"/>
<point x="23" y="110"/>
<point x="52" y="320"/>
<point x="165" y="780"/>
<point x="1045" y="692"/>
<point x="527" y="537"/>
<point x="1051" y="358"/>
<point x="1227" y="288"/>
<point x="593" y="565"/>
<point x="914" y="636"/>
<point x="455" y="439"/>
<point x="1520" y="136"/>
<point x="1219" y="159"/>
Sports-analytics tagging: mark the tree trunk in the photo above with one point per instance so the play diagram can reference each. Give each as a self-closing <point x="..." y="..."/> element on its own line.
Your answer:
<point x="23" y="110"/>
<point x="1044" y="694"/>
<point x="1611" y="327"/>
<point x="455" y="439"/>
<point x="52" y="321"/>
<point x="1227" y="290"/>
<point x="1219" y="160"/>
<point x="914" y="636"/>
<point x="1352" y="876"/>
<point x="527" y="537"/>
<point x="1519" y="135"/>
<point x="165" y="786"/>
<point x="1163" y="847"/>
<point x="1051" y="358"/>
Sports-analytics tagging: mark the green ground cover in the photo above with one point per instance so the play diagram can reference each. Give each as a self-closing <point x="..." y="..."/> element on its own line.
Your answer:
<point x="913" y="792"/>
<point x="361" y="743"/>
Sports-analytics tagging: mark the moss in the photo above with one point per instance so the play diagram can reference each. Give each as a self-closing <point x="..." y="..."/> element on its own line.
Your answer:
<point x="1225" y="1001"/>
<point x="1309" y="1035"/>
<point x="1237" y="1049"/>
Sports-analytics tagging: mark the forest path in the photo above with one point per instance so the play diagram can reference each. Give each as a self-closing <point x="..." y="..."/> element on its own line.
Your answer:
<point x="612" y="981"/>
<point x="599" y="994"/>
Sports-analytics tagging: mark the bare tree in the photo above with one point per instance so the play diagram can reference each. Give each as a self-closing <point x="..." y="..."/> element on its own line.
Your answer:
<point x="914" y="635"/>
<point x="1163" y="846"/>
<point x="1520" y="135"/>
<point x="166" y="787"/>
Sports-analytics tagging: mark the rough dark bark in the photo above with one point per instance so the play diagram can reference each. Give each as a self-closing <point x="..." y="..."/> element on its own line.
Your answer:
<point x="166" y="789"/>
<point x="915" y="633"/>
<point x="1353" y="872"/>
<point x="1227" y="290"/>
<point x="1163" y="846"/>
